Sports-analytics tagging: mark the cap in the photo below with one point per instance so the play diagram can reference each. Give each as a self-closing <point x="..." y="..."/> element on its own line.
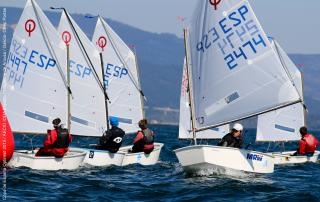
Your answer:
<point x="114" y="121"/>
<point x="237" y="126"/>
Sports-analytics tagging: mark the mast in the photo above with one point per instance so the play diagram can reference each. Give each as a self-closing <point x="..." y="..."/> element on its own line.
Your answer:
<point x="305" y="110"/>
<point x="68" y="80"/>
<point x="189" y="88"/>
<point x="104" y="87"/>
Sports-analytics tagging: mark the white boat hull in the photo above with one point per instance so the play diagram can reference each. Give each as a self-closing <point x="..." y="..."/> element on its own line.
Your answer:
<point x="197" y="158"/>
<point x="141" y="157"/>
<point x="281" y="158"/>
<point x="26" y="158"/>
<point x="97" y="157"/>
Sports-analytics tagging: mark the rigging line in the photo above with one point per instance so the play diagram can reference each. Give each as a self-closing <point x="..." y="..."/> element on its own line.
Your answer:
<point x="51" y="50"/>
<point x="286" y="68"/>
<point x="249" y="116"/>
<point x="120" y="57"/>
<point x="86" y="54"/>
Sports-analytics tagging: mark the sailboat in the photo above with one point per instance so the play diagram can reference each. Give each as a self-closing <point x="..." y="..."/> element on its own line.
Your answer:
<point x="121" y="82"/>
<point x="233" y="74"/>
<point x="35" y="88"/>
<point x="283" y="125"/>
<point x="127" y="105"/>
<point x="90" y="99"/>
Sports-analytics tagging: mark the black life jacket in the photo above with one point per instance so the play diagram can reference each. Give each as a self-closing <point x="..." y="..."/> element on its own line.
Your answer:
<point x="62" y="140"/>
<point x="148" y="136"/>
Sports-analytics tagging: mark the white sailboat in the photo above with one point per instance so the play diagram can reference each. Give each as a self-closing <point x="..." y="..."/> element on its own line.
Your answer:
<point x="90" y="99"/>
<point x="121" y="81"/>
<point x="34" y="87"/>
<point x="283" y="125"/>
<point x="233" y="74"/>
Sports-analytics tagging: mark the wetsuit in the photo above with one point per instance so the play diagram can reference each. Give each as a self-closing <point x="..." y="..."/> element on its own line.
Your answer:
<point x="112" y="139"/>
<point x="230" y="141"/>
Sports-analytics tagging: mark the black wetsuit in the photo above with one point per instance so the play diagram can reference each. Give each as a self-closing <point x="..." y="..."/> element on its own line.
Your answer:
<point x="230" y="141"/>
<point x="112" y="139"/>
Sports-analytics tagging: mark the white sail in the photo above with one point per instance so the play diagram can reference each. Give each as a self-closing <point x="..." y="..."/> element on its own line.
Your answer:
<point x="121" y="77"/>
<point x="185" y="127"/>
<point x="283" y="124"/>
<point x="235" y="72"/>
<point x="292" y="70"/>
<point x="33" y="86"/>
<point x="88" y="103"/>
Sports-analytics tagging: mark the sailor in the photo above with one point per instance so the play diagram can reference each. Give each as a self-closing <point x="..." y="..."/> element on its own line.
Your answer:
<point x="234" y="138"/>
<point x="56" y="142"/>
<point x="144" y="141"/>
<point x="112" y="139"/>
<point x="308" y="143"/>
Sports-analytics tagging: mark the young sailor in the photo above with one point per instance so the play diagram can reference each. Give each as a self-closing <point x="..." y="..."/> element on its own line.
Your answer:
<point x="57" y="141"/>
<point x="144" y="141"/>
<point x="112" y="139"/>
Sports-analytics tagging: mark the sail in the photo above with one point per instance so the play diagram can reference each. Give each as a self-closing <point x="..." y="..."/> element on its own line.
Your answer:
<point x="33" y="89"/>
<point x="235" y="72"/>
<point x="185" y="126"/>
<point x="121" y="77"/>
<point x="292" y="70"/>
<point x="88" y="104"/>
<point x="283" y="124"/>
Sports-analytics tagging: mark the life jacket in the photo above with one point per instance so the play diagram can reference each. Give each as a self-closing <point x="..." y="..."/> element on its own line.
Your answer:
<point x="148" y="136"/>
<point x="62" y="140"/>
<point x="311" y="143"/>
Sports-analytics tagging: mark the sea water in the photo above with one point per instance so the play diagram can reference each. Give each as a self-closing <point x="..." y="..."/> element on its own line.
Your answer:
<point x="165" y="181"/>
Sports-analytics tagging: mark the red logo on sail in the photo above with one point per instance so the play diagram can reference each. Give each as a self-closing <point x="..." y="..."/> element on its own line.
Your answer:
<point x="66" y="37"/>
<point x="102" y="42"/>
<point x="30" y="26"/>
<point x="215" y="3"/>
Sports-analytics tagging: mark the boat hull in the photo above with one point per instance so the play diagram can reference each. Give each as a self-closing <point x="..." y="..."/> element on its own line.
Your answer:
<point x="141" y="157"/>
<point x="281" y="158"/>
<point x="95" y="157"/>
<point x="197" y="158"/>
<point x="26" y="158"/>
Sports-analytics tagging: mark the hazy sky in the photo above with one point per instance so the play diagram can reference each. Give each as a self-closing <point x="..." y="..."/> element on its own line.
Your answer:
<point x="294" y="23"/>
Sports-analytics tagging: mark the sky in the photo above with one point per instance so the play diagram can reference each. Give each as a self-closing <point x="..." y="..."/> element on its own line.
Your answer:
<point x="294" y="23"/>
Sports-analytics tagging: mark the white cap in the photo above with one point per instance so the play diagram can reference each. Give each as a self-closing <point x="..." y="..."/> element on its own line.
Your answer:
<point x="237" y="126"/>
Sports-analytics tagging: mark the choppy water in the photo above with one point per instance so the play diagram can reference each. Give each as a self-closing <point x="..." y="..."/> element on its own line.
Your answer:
<point x="164" y="181"/>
